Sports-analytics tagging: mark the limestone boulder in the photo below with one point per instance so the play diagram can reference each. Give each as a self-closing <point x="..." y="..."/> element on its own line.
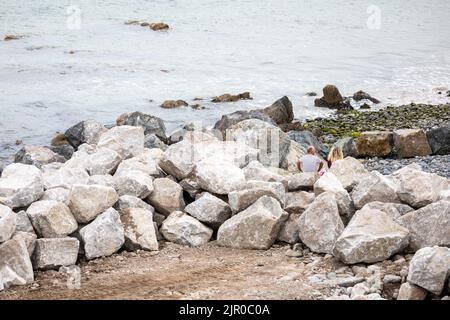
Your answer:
<point x="371" y="236"/>
<point x="348" y="146"/>
<point x="329" y="183"/>
<point x="134" y="183"/>
<point x="88" y="131"/>
<point x="29" y="238"/>
<point x="218" y="176"/>
<point x="297" y="202"/>
<point x="257" y="227"/>
<point x="418" y="188"/>
<point x="167" y="196"/>
<point x="255" y="170"/>
<point x="103" y="236"/>
<point x="253" y="190"/>
<point x="126" y="202"/>
<point x="375" y="187"/>
<point x="15" y="260"/>
<point x="191" y="187"/>
<point x="127" y="141"/>
<point x="409" y="291"/>
<point x="51" y="219"/>
<point x="54" y="253"/>
<point x="20" y="185"/>
<point x="394" y="210"/>
<point x="302" y="181"/>
<point x="374" y="144"/>
<point x="139" y="229"/>
<point x="37" y="156"/>
<point x="146" y="162"/>
<point x="411" y="143"/>
<point x="210" y="210"/>
<point x="106" y="180"/>
<point x="87" y="201"/>
<point x="65" y="177"/>
<point x="430" y="268"/>
<point x="23" y="223"/>
<point x="183" y="229"/>
<point x="428" y="226"/>
<point x="349" y="172"/>
<point x="320" y="225"/>
<point x="57" y="194"/>
<point x="444" y="195"/>
<point x="272" y="143"/>
<point x="8" y="222"/>
<point x="103" y="161"/>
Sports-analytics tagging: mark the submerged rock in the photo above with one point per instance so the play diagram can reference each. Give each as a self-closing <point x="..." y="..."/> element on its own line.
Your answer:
<point x="361" y="95"/>
<point x="232" y="98"/>
<point x="172" y="104"/>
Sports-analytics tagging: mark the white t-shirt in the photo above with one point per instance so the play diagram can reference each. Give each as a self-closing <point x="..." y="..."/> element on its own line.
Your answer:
<point x="310" y="163"/>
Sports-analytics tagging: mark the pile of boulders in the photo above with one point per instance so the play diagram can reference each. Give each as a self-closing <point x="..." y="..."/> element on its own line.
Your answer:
<point x="237" y="185"/>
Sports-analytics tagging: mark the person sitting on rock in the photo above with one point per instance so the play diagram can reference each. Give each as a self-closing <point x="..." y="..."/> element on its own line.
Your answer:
<point x="310" y="162"/>
<point x="334" y="155"/>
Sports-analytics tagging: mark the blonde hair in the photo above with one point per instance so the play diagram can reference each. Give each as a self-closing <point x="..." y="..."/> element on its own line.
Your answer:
<point x="335" y="154"/>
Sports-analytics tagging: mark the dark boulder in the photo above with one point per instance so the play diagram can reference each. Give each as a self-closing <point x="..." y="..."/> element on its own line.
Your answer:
<point x="348" y="147"/>
<point x="232" y="98"/>
<point x="280" y="111"/>
<point x="149" y="123"/>
<point x="88" y="131"/>
<point x="65" y="150"/>
<point x="439" y="140"/>
<point x="361" y="95"/>
<point x="152" y="141"/>
<point x="332" y="99"/>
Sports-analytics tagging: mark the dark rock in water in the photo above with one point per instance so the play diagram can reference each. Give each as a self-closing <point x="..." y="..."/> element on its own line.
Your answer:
<point x="11" y="37"/>
<point x="152" y="141"/>
<point x="87" y="131"/>
<point x="231" y="98"/>
<point x="448" y="93"/>
<point x="311" y="94"/>
<point x="197" y="106"/>
<point x="172" y="104"/>
<point x="63" y="150"/>
<point x="151" y="124"/>
<point x="280" y="111"/>
<point x="158" y="26"/>
<point x="365" y="106"/>
<point x="348" y="147"/>
<point x="306" y="139"/>
<point x="230" y="119"/>
<point x="37" y="156"/>
<point x="361" y="95"/>
<point x="439" y="139"/>
<point x="332" y="99"/>
<point x="2" y="166"/>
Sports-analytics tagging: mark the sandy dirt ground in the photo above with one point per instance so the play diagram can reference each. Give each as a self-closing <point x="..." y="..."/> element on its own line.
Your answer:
<point x="178" y="272"/>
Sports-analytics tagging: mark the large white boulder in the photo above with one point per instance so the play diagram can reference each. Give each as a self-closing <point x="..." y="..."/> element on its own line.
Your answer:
<point x="180" y="159"/>
<point x="51" y="219"/>
<point x="20" y="185"/>
<point x="133" y="183"/>
<point x="8" y="223"/>
<point x="15" y="258"/>
<point x="183" y="229"/>
<point x="320" y="225"/>
<point x="394" y="210"/>
<point x="167" y="196"/>
<point x="272" y="143"/>
<point x="255" y="170"/>
<point x="65" y="177"/>
<point x="103" y="161"/>
<point x="329" y="183"/>
<point x="371" y="236"/>
<point x="209" y="209"/>
<point x="37" y="156"/>
<point x="430" y="268"/>
<point x="103" y="236"/>
<point x="297" y="202"/>
<point x="349" y="172"/>
<point x="54" y="253"/>
<point x="127" y="201"/>
<point x="253" y="190"/>
<point x="88" y="201"/>
<point x="302" y="181"/>
<point x="102" y="179"/>
<point x="256" y="227"/>
<point x="375" y="187"/>
<point x="219" y="177"/>
<point x="127" y="141"/>
<point x="418" y="188"/>
<point x="88" y="131"/>
<point x="57" y="194"/>
<point x="147" y="162"/>
<point x="428" y="226"/>
<point x="139" y="229"/>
